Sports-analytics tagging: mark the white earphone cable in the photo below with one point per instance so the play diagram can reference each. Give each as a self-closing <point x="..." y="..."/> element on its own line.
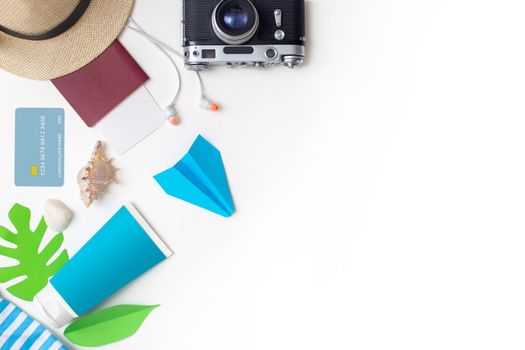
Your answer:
<point x="141" y="31"/>
<point x="153" y="39"/>
<point x="161" y="45"/>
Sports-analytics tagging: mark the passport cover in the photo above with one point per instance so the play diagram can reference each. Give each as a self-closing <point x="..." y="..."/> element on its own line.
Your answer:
<point x="94" y="90"/>
<point x="39" y="147"/>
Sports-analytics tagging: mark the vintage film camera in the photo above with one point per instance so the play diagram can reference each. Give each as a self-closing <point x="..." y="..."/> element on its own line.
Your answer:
<point x="243" y="32"/>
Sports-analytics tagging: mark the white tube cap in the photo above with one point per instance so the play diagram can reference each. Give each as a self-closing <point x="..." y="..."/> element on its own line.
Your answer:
<point x="54" y="307"/>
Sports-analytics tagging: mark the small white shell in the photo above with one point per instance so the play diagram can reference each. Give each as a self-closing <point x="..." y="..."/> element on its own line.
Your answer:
<point x="57" y="215"/>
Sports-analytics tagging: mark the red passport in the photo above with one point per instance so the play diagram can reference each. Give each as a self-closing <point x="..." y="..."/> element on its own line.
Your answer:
<point x="93" y="91"/>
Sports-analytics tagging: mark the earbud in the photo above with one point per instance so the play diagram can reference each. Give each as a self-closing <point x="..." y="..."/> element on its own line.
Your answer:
<point x="206" y="103"/>
<point x="170" y="111"/>
<point x="172" y="115"/>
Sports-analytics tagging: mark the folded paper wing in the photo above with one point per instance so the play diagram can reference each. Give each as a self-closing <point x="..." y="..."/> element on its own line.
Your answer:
<point x="199" y="178"/>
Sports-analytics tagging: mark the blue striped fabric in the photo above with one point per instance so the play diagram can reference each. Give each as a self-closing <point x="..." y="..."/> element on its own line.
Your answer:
<point x="48" y="343"/>
<point x="33" y="337"/>
<point x="3" y="304"/>
<point x="18" y="331"/>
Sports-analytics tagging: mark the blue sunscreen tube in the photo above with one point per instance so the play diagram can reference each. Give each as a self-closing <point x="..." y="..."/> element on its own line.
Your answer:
<point x="122" y="250"/>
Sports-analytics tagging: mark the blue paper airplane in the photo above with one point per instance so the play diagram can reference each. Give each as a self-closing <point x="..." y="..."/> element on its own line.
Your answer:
<point x="199" y="178"/>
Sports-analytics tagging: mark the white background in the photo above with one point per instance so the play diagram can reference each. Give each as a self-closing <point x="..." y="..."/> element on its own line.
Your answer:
<point x="380" y="189"/>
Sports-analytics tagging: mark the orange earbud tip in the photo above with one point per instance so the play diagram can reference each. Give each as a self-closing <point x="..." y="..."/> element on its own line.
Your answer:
<point x="214" y="107"/>
<point x="174" y="120"/>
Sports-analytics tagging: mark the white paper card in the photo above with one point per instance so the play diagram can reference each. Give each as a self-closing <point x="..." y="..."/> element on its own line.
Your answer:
<point x="131" y="121"/>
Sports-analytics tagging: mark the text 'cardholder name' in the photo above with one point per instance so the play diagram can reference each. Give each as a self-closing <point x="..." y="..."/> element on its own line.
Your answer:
<point x="39" y="147"/>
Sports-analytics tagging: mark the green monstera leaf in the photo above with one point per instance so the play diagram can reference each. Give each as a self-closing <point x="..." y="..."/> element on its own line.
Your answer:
<point x="32" y="264"/>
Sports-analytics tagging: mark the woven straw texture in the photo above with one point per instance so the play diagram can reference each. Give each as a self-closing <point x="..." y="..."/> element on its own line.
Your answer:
<point x="100" y="25"/>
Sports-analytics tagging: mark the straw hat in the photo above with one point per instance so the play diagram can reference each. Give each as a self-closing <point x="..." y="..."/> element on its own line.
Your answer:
<point x="47" y="39"/>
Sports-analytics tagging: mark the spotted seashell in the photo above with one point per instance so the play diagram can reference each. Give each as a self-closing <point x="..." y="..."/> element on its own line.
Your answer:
<point x="95" y="176"/>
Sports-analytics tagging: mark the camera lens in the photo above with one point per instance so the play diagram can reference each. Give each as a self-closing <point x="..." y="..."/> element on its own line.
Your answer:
<point x="235" y="18"/>
<point x="235" y="22"/>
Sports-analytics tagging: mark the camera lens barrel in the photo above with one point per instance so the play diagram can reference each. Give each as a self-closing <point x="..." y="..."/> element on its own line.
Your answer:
<point x="235" y="22"/>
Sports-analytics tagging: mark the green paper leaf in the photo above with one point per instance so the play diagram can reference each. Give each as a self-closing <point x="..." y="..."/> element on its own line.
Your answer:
<point x="33" y="265"/>
<point x="108" y="325"/>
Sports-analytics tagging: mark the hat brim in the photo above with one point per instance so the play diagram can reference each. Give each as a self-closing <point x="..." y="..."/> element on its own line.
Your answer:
<point x="100" y="25"/>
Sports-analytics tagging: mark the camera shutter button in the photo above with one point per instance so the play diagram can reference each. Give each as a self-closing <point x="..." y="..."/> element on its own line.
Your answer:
<point x="279" y="35"/>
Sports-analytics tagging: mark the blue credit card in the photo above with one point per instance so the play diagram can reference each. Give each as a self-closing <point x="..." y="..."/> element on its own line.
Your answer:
<point x="39" y="147"/>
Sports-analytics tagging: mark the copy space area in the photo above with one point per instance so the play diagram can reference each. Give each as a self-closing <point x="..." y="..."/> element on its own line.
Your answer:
<point x="379" y="188"/>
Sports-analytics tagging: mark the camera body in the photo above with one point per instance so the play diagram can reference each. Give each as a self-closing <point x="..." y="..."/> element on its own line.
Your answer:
<point x="243" y="32"/>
